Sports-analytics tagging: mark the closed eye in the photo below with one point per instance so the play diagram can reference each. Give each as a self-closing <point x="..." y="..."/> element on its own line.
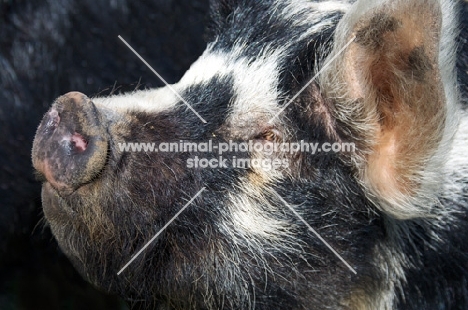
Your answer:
<point x="271" y="135"/>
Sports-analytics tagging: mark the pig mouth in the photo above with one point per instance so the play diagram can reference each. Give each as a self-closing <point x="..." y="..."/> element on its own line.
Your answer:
<point x="51" y="201"/>
<point x="71" y="145"/>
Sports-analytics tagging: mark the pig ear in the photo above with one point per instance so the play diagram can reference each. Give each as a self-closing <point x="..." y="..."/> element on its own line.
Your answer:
<point x="394" y="94"/>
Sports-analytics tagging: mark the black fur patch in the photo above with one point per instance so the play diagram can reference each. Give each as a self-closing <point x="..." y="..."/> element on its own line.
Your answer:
<point x="419" y="63"/>
<point x="371" y="35"/>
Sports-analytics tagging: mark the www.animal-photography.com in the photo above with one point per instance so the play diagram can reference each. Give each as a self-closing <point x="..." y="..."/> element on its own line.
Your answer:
<point x="234" y="154"/>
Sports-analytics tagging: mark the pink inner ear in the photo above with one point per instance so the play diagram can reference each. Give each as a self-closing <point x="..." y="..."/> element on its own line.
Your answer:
<point x="80" y="142"/>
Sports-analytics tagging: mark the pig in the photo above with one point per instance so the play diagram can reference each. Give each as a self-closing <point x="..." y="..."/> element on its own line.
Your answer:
<point x="379" y="226"/>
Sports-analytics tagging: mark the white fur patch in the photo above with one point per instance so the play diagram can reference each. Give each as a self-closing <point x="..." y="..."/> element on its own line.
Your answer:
<point x="316" y="10"/>
<point x="434" y="173"/>
<point x="253" y="224"/>
<point x="205" y="68"/>
<point x="255" y="82"/>
<point x="154" y="100"/>
<point x="457" y="160"/>
<point x="313" y="15"/>
<point x="256" y="88"/>
<point x="331" y="6"/>
<point x="250" y="220"/>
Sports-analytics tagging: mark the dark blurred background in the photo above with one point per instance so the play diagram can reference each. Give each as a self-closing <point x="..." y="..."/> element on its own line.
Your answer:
<point x="48" y="48"/>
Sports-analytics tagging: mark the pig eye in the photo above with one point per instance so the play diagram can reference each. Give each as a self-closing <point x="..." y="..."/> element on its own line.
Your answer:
<point x="271" y="135"/>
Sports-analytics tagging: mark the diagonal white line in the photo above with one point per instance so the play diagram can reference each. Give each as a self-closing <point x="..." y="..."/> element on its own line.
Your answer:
<point x="162" y="79"/>
<point x="160" y="231"/>
<point x="315" y="232"/>
<point x="312" y="80"/>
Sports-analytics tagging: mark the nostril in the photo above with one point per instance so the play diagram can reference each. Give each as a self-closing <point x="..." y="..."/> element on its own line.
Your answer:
<point x="79" y="143"/>
<point x="70" y="146"/>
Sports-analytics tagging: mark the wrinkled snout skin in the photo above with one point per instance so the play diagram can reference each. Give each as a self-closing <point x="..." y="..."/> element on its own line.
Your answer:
<point x="71" y="144"/>
<point x="393" y="209"/>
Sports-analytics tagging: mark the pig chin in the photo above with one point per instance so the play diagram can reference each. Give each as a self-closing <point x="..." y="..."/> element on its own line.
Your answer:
<point x="55" y="208"/>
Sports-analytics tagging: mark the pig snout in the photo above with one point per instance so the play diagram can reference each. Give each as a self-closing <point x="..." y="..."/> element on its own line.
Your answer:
<point x="70" y="147"/>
